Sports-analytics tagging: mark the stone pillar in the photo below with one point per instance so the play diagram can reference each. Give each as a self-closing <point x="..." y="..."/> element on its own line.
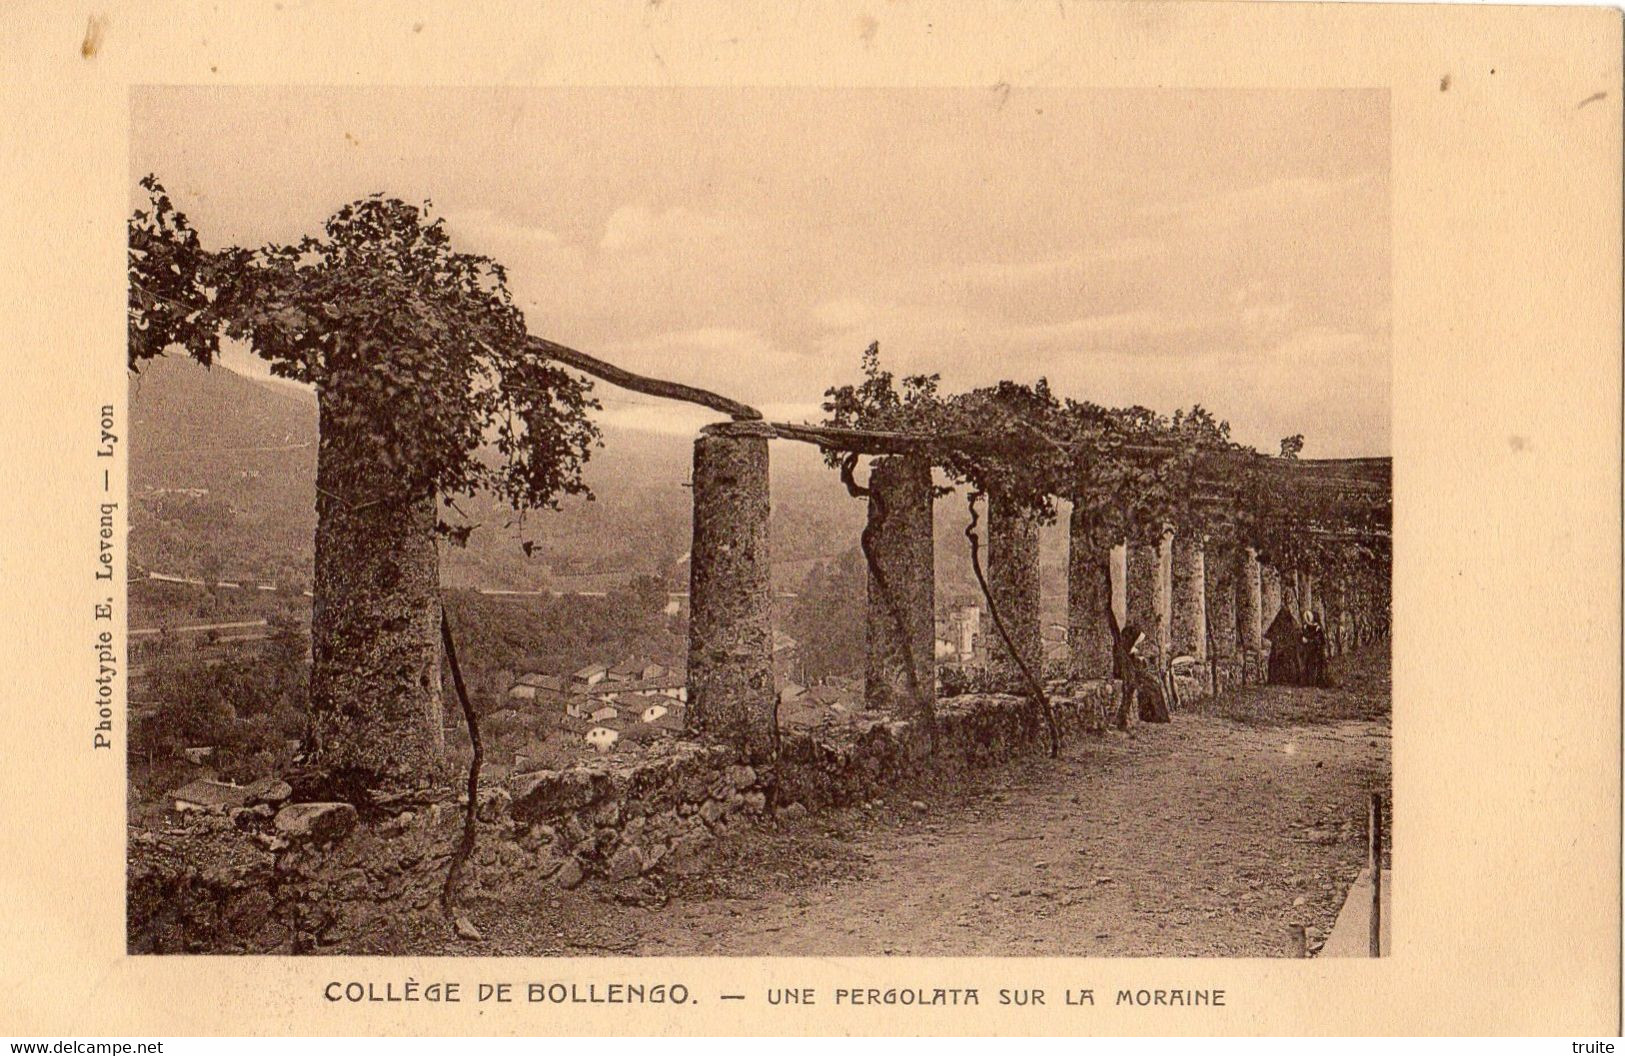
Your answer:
<point x="375" y="703"/>
<point x="1269" y="579"/>
<point x="1165" y="585"/>
<point x="730" y="628"/>
<point x="1012" y="579"/>
<point x="1088" y="593"/>
<point x="1250" y="614"/>
<point x="1144" y="590"/>
<point x="1187" y="617"/>
<point x="900" y="534"/>
<point x="1222" y="617"/>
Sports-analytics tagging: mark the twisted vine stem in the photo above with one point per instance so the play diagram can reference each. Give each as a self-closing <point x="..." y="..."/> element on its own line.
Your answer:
<point x="1034" y="687"/>
<point x="899" y="626"/>
<point x="448" y="893"/>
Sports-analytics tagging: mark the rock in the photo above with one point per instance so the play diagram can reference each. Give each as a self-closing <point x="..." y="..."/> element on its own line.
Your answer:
<point x="493" y="804"/>
<point x="792" y="811"/>
<point x="466" y="930"/>
<point x="689" y="845"/>
<point x="569" y="874"/>
<point x="741" y="777"/>
<point x="317" y="822"/>
<point x="919" y="805"/>
<point x="712" y="811"/>
<point x="606" y="813"/>
<point x="755" y="802"/>
<point x="652" y="856"/>
<point x="547" y="794"/>
<point x="549" y="862"/>
<point x="625" y="864"/>
<point x="269" y="790"/>
<point x="1300" y="900"/>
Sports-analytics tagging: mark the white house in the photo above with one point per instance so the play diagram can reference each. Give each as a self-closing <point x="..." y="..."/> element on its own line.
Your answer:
<point x="603" y="735"/>
<point x="653" y="712"/>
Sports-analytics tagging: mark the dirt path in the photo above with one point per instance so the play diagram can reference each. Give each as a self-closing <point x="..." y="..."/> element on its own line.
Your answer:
<point x="1209" y="836"/>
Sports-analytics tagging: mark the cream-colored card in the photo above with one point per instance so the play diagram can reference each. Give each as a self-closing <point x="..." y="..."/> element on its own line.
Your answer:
<point x="1395" y="230"/>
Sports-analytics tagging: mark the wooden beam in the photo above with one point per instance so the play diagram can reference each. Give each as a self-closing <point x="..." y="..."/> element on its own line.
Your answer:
<point x="667" y="390"/>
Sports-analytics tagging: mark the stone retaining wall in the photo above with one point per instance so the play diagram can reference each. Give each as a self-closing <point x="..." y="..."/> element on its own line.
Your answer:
<point x="327" y="877"/>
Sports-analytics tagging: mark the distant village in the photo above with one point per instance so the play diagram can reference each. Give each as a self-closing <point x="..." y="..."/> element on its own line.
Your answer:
<point x="609" y="705"/>
<point x="542" y="717"/>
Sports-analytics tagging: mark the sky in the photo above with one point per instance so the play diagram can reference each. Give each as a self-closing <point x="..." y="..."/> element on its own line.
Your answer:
<point x="1159" y="247"/>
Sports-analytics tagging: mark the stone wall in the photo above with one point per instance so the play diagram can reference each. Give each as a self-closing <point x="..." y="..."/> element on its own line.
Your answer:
<point x="326" y="877"/>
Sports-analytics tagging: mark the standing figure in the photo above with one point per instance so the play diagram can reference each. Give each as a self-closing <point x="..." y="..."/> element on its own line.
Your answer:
<point x="1286" y="649"/>
<point x="1141" y="686"/>
<point x="1312" y="648"/>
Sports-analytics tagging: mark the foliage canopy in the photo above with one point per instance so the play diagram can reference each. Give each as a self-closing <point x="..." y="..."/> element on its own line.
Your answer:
<point x="1132" y="470"/>
<point x="417" y="352"/>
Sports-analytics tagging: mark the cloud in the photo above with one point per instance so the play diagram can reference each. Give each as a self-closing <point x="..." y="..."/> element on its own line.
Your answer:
<point x="1114" y="328"/>
<point x="1050" y="268"/>
<point x="845" y="313"/>
<point x="636" y="228"/>
<point x="486" y="230"/>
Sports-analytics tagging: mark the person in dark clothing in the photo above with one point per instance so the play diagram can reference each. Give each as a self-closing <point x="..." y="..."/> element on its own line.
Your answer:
<point x="1312" y="650"/>
<point x="1141" y="686"/>
<point x="1286" y="649"/>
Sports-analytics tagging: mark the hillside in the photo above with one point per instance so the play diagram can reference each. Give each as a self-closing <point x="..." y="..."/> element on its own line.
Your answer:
<point x="222" y="480"/>
<point x="222" y="485"/>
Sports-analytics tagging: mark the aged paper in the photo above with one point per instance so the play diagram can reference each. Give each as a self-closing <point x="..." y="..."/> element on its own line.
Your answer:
<point x="1395" y="230"/>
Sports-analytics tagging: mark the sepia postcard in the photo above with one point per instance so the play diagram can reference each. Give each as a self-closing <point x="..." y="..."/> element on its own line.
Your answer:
<point x="896" y="518"/>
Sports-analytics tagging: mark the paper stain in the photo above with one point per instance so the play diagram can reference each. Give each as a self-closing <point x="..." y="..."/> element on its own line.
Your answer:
<point x="1518" y="443"/>
<point x="868" y="26"/>
<point x="1444" y="83"/>
<point x="1594" y="97"/>
<point x="94" y="30"/>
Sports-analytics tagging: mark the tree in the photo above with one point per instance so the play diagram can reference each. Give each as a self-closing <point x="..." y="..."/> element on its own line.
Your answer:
<point x="427" y="390"/>
<point x="828" y="617"/>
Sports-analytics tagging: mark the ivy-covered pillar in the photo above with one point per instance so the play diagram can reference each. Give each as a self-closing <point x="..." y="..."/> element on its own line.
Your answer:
<point x="1221" y="567"/>
<point x="1269" y="580"/>
<point x="1250" y="614"/>
<point x="730" y="626"/>
<point x="1012" y="579"/>
<point x="900" y="673"/>
<point x="1143" y="592"/>
<point x="1187" y="615"/>
<point x="1088" y="596"/>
